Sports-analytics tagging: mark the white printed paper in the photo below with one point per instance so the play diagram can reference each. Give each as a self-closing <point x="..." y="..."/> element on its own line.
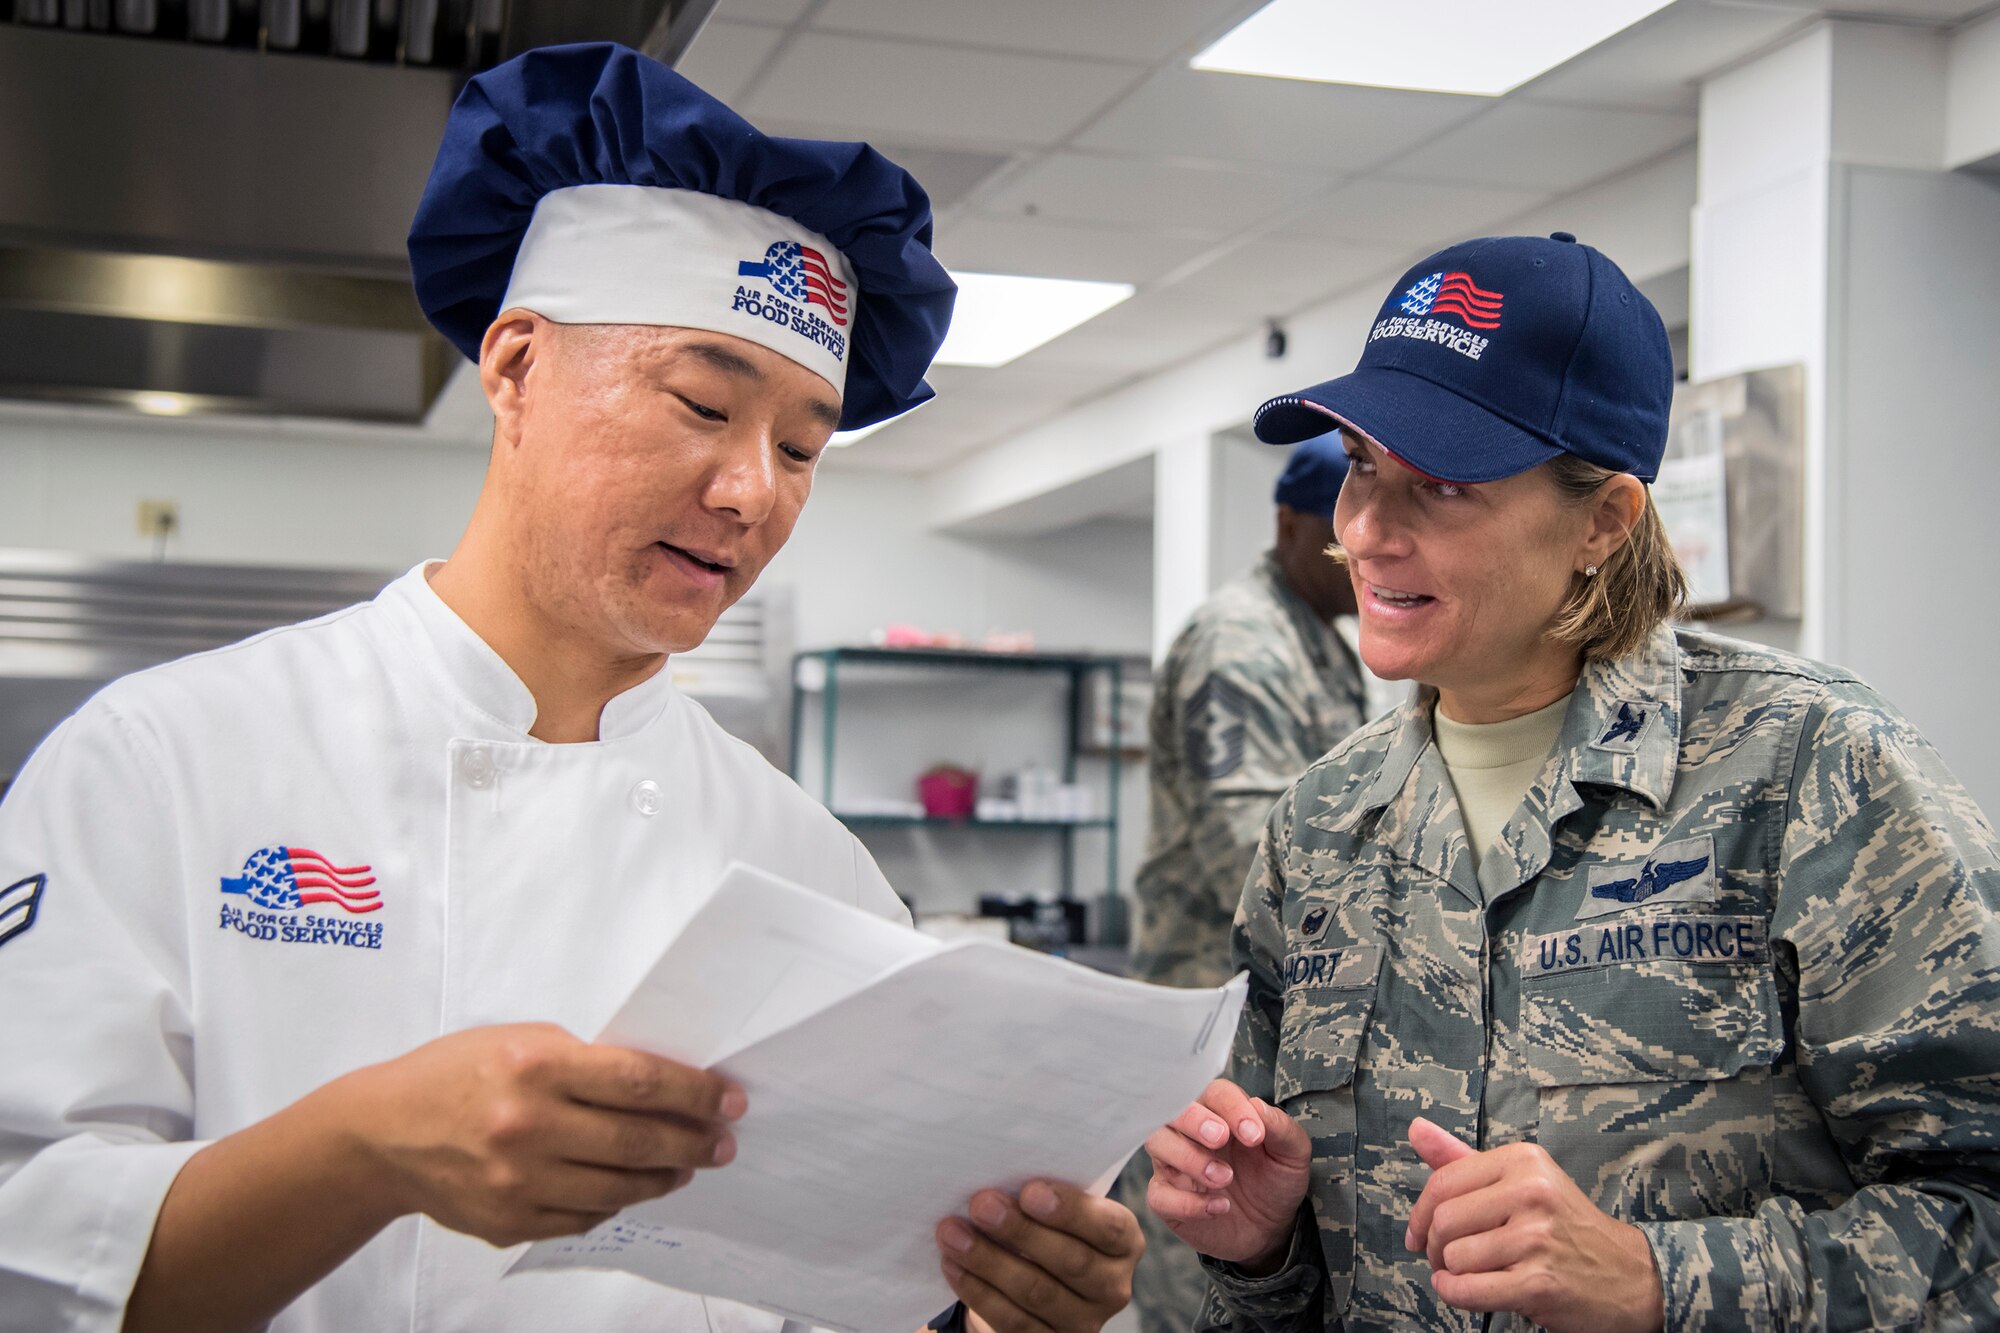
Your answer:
<point x="889" y="1078"/>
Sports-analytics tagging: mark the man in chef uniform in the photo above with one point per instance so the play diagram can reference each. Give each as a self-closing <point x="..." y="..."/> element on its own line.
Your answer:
<point x="299" y="931"/>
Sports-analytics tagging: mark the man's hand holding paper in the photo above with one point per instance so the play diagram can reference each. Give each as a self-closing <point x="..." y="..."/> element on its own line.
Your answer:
<point x="1056" y="1258"/>
<point x="893" y="1081"/>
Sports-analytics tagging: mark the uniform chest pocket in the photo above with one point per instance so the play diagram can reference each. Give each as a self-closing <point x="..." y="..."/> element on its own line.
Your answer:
<point x="1651" y="1051"/>
<point x="1326" y="1015"/>
<point x="1646" y="999"/>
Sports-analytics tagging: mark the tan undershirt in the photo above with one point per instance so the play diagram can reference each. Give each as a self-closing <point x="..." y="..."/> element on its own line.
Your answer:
<point x="1492" y="765"/>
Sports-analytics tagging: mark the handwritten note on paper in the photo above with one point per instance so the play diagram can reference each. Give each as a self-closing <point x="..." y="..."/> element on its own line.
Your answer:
<point x="952" y="1069"/>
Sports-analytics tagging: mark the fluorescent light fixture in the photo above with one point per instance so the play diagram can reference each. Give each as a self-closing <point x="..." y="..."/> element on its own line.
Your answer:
<point x="842" y="438"/>
<point x="1000" y="317"/>
<point x="163" y="404"/>
<point x="1483" y="47"/>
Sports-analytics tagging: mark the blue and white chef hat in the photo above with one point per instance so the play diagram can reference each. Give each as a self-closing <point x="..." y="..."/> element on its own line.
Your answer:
<point x="593" y="185"/>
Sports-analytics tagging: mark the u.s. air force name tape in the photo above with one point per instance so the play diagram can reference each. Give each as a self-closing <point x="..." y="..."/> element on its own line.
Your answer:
<point x="1656" y="939"/>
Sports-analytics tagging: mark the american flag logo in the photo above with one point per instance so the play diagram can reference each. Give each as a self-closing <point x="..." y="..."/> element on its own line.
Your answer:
<point x="284" y="878"/>
<point x="19" y="903"/>
<point x="800" y="273"/>
<point x="1454" y="294"/>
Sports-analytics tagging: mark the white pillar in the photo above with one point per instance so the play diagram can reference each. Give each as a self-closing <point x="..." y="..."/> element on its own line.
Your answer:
<point x="1827" y="232"/>
<point x="1183" y="501"/>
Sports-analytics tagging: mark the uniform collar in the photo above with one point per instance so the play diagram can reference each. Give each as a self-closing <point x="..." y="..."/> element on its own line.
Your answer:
<point x="470" y="669"/>
<point x="1624" y="722"/>
<point x="1623" y="727"/>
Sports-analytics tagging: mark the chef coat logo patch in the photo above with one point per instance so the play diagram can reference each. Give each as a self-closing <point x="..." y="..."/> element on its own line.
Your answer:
<point x="795" y="277"/>
<point x="277" y="883"/>
<point x="20" y="904"/>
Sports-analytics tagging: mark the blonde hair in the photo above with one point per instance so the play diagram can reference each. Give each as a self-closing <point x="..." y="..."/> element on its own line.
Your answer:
<point x="1639" y="585"/>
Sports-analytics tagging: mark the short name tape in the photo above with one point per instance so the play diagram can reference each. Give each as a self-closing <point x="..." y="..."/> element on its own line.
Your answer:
<point x="1340" y="969"/>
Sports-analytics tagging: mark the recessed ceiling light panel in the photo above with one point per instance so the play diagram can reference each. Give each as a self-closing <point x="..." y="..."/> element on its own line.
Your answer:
<point x="1000" y="316"/>
<point x="1480" y="47"/>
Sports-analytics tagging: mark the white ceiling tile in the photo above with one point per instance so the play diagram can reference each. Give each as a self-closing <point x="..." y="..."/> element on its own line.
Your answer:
<point x="906" y="449"/>
<point x="932" y="93"/>
<point x="1046" y="382"/>
<point x="1329" y="129"/>
<point x="725" y="56"/>
<point x="951" y="425"/>
<point x="762" y="11"/>
<point x="947" y="174"/>
<point x="1038" y="247"/>
<point x="1656" y="64"/>
<point x="1412" y="216"/>
<point x="973" y="408"/>
<point x="1531" y="145"/>
<point x="1134" y="30"/>
<point x="1210" y="201"/>
<point x="1264" y="279"/>
<point x="1150" y="331"/>
<point x="1934" y="11"/>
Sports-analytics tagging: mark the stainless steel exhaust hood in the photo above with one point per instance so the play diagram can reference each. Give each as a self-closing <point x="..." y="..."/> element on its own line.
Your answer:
<point x="203" y="202"/>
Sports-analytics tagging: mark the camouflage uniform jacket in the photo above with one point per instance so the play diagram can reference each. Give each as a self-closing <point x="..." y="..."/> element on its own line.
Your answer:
<point x="1734" y="964"/>
<point x="1253" y="690"/>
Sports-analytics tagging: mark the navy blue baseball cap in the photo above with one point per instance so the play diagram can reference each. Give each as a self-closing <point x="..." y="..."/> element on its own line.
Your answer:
<point x="591" y="184"/>
<point x="1495" y="355"/>
<point x="1311" y="480"/>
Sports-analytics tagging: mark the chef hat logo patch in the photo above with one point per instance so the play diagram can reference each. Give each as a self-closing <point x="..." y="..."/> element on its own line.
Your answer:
<point x="796" y="278"/>
<point x="800" y="273"/>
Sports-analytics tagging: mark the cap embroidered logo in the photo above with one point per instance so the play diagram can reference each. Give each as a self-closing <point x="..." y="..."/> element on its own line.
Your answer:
<point x="1454" y="294"/>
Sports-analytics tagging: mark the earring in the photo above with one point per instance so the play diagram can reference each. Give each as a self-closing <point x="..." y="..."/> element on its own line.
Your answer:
<point x="1590" y="572"/>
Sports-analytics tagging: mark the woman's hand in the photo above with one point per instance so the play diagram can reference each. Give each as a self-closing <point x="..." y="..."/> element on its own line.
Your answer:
<point x="1507" y="1229"/>
<point x="1229" y="1175"/>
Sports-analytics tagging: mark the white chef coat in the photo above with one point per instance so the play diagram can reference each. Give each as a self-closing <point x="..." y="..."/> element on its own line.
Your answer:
<point x="150" y="1008"/>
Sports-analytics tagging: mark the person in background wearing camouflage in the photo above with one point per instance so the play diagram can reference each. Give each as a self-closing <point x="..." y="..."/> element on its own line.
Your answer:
<point x="1256" y="686"/>
<point x="1627" y="977"/>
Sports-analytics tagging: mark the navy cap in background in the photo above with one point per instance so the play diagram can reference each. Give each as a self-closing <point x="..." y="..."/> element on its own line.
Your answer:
<point x="1311" y="480"/>
<point x="1495" y="355"/>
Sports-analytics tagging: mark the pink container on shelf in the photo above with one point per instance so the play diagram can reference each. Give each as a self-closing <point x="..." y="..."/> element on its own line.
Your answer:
<point x="948" y="793"/>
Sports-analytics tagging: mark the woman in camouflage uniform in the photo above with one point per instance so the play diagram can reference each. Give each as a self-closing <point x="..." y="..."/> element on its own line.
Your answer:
<point x="1627" y="977"/>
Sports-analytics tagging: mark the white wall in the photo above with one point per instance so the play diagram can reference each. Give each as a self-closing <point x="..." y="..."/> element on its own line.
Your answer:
<point x="259" y="492"/>
<point x="1914" y="443"/>
<point x="863" y="557"/>
<point x="249" y="492"/>
<point x="1972" y="115"/>
<point x="291" y="493"/>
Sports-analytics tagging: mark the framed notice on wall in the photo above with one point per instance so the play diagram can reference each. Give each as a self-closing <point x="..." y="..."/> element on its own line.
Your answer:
<point x="1731" y="492"/>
